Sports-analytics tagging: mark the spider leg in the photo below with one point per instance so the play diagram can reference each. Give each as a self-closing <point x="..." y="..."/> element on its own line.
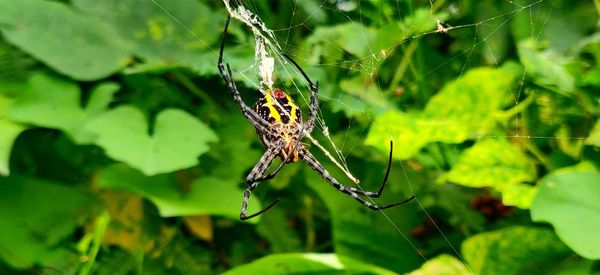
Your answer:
<point x="254" y="179"/>
<point x="227" y="75"/>
<point x="314" y="109"/>
<point x="314" y="89"/>
<point x="385" y="178"/>
<point x="315" y="165"/>
<point x="298" y="146"/>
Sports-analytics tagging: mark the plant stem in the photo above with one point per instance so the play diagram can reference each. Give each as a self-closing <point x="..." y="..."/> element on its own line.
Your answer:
<point x="99" y="230"/>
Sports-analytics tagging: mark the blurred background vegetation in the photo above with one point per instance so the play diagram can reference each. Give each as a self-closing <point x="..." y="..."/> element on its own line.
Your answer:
<point x="122" y="152"/>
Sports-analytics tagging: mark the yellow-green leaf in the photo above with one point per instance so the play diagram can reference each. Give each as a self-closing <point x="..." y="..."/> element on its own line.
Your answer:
<point x="495" y="163"/>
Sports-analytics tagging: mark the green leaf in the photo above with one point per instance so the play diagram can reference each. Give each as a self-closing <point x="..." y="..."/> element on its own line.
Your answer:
<point x="514" y="250"/>
<point x="464" y="109"/>
<point x="176" y="143"/>
<point x="467" y="107"/>
<point x="55" y="103"/>
<point x="35" y="216"/>
<point x="546" y="68"/>
<point x="442" y="265"/>
<point x="161" y="32"/>
<point x="79" y="46"/>
<point x="10" y="131"/>
<point x="493" y="162"/>
<point x="207" y="195"/>
<point x="569" y="201"/>
<point x="409" y="132"/>
<point x="308" y="263"/>
<point x="594" y="137"/>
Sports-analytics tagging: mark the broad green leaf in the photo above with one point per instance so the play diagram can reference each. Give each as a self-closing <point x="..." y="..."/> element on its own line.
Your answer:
<point x="442" y="265"/>
<point x="35" y="216"/>
<point x="309" y="263"/>
<point x="495" y="163"/>
<point x="464" y="109"/>
<point x="161" y="32"/>
<point x="409" y="132"/>
<point x="545" y="68"/>
<point x="208" y="196"/>
<point x="386" y="240"/>
<point x="79" y="46"/>
<point x="9" y="132"/>
<point x="177" y="140"/>
<point x="594" y="137"/>
<point x="55" y="103"/>
<point x="514" y="250"/>
<point x="569" y="201"/>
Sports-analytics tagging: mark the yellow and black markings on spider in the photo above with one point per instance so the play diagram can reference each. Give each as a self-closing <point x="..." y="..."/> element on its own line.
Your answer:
<point x="285" y="123"/>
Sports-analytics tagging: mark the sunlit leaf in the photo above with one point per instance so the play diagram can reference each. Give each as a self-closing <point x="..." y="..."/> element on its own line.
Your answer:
<point x="208" y="196"/>
<point x="594" y="137"/>
<point x="464" y="109"/>
<point x="467" y="107"/>
<point x="442" y="265"/>
<point x="307" y="263"/>
<point x="35" y="216"/>
<point x="569" y="201"/>
<point x="514" y="250"/>
<point x="409" y="132"/>
<point x="495" y="163"/>
<point x="177" y="140"/>
<point x="79" y="46"/>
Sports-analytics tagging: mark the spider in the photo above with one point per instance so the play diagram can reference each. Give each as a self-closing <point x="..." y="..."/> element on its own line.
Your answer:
<point x="281" y="131"/>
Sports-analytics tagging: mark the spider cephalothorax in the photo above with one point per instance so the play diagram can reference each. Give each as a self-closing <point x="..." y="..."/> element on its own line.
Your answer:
<point x="285" y="119"/>
<point x="278" y="123"/>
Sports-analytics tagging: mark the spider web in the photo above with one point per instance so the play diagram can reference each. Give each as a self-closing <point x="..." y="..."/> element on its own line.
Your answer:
<point x="272" y="43"/>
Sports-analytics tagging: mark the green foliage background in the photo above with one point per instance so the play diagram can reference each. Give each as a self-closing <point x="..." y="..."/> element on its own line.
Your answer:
<point x="121" y="150"/>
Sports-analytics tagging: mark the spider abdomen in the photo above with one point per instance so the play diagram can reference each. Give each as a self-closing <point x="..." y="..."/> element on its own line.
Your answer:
<point x="285" y="119"/>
